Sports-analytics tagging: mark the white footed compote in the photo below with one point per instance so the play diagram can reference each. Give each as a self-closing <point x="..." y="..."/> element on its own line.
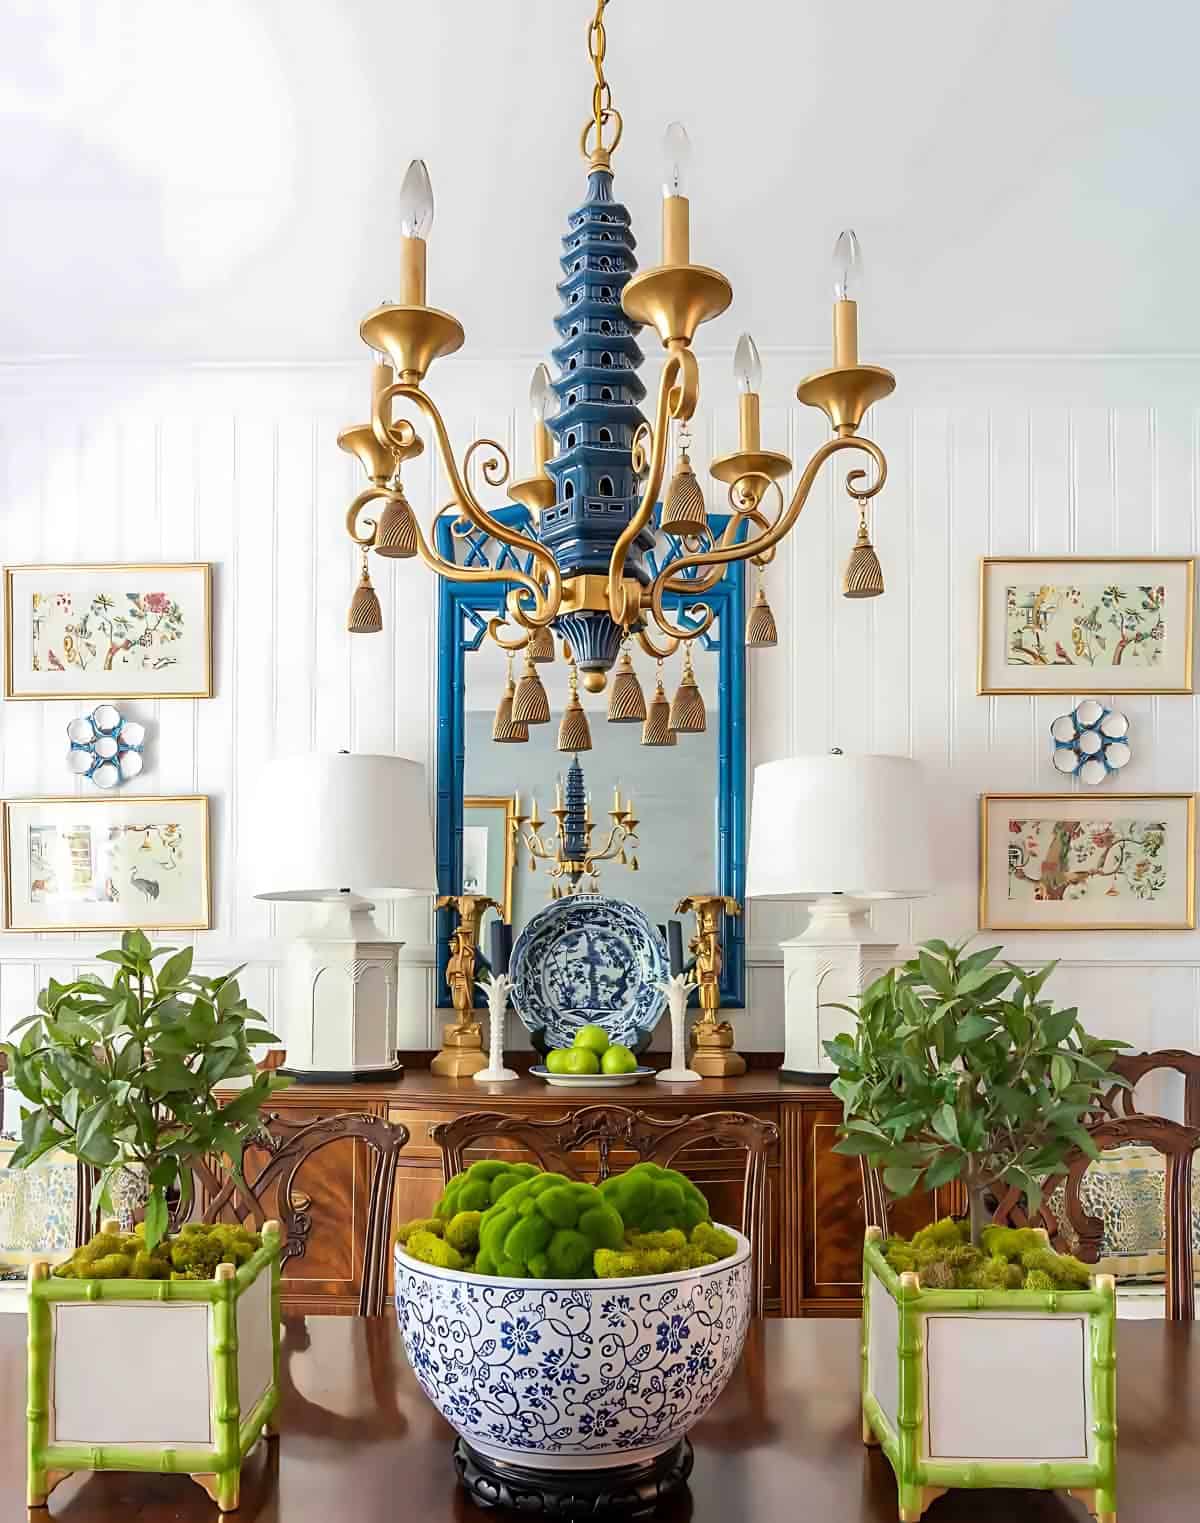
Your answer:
<point x="496" y="988"/>
<point x="677" y="990"/>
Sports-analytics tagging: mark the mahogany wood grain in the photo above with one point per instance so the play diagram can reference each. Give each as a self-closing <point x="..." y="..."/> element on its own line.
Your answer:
<point x="361" y="1442"/>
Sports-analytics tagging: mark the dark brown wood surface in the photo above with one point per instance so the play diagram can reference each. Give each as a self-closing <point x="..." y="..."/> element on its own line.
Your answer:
<point x="812" y="1243"/>
<point x="360" y="1441"/>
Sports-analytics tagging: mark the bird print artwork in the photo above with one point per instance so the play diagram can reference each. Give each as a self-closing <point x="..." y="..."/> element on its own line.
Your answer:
<point x="146" y="886"/>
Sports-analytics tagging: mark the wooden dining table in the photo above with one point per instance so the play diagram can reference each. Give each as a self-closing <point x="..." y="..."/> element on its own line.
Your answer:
<point x="360" y="1443"/>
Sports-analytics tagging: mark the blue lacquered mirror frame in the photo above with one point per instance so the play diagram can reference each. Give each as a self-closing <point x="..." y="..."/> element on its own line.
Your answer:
<point x="464" y="609"/>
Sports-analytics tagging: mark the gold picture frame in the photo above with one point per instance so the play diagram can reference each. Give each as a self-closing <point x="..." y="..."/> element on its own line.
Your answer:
<point x="48" y="811"/>
<point x="34" y="684"/>
<point x="506" y="806"/>
<point x="1067" y="676"/>
<point x="1035" y="912"/>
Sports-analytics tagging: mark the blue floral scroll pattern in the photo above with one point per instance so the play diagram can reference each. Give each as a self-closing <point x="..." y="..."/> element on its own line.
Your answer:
<point x="573" y="1372"/>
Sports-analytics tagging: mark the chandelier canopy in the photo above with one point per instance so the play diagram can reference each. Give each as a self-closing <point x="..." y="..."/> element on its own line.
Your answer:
<point x="598" y="465"/>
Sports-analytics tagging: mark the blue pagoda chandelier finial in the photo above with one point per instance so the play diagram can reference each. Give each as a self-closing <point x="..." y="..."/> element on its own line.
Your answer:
<point x="593" y="560"/>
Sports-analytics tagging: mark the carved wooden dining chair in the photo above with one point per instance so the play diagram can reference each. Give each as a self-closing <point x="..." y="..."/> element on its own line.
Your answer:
<point x="1118" y="1121"/>
<point x="608" y="1127"/>
<point x="272" y="1191"/>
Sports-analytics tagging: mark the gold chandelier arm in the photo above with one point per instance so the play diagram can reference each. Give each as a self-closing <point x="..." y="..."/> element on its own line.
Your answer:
<point x="678" y="392"/>
<point x="679" y="631"/>
<point x="356" y="507"/>
<point x="533" y="606"/>
<point x="456" y="573"/>
<point x="659" y="654"/>
<point x="751" y="549"/>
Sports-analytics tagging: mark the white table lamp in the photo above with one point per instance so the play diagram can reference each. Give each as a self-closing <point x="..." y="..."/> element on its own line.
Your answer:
<point x="341" y="832"/>
<point x="840" y="831"/>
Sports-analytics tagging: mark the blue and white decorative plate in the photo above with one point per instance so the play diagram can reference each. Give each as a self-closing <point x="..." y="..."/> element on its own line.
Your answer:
<point x="589" y="960"/>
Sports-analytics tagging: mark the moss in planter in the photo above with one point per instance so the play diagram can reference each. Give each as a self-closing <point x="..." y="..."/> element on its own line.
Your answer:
<point x="192" y="1255"/>
<point x="1010" y="1258"/>
<point x="481" y="1186"/>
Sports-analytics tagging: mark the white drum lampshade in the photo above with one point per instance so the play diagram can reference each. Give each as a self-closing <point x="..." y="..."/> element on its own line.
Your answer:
<point x="837" y="830"/>
<point x="342" y="831"/>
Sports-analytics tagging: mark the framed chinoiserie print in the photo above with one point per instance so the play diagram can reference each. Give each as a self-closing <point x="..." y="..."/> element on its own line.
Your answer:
<point x="106" y="864"/>
<point x="108" y="631"/>
<point x="1080" y="623"/>
<point x="1063" y="862"/>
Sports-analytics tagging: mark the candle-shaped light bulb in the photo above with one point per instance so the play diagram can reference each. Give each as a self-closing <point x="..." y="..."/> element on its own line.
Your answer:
<point x="416" y="201"/>
<point x="416" y="218"/>
<point x="676" y="234"/>
<point x="541" y="400"/>
<point x="747" y="365"/>
<point x="847" y="277"/>
<point x="847" y="266"/>
<point x="747" y="371"/>
<point x="541" y="394"/>
<point x="677" y="155"/>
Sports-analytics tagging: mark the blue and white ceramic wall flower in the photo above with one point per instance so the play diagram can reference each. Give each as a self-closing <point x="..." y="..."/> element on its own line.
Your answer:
<point x="1091" y="742"/>
<point x="106" y="747"/>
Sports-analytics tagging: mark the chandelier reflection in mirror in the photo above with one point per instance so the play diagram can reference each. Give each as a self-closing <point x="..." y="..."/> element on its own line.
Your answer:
<point x="580" y="567"/>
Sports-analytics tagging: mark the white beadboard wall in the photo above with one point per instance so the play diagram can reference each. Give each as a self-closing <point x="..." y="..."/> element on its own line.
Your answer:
<point x="240" y="466"/>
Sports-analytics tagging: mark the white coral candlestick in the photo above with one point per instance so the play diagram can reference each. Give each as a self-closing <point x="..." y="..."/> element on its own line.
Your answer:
<point x="496" y="989"/>
<point x="676" y="990"/>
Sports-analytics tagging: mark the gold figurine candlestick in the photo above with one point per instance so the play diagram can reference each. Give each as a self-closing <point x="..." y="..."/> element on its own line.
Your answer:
<point x="713" y="1055"/>
<point x="462" y="1051"/>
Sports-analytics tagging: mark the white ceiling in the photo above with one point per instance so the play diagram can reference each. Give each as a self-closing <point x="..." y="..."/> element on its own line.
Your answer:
<point x="217" y="178"/>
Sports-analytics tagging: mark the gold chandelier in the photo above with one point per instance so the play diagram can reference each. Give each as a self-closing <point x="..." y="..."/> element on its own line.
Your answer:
<point x="577" y="566"/>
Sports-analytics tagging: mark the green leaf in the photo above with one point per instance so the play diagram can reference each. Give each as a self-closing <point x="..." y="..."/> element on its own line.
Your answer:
<point x="175" y="969"/>
<point x="901" y="1181"/>
<point x="936" y="974"/>
<point x="969" y="982"/>
<point x="945" y="1124"/>
<point x="976" y="960"/>
<point x="156" y="1217"/>
<point x="857" y="1145"/>
<point x="1061" y="1071"/>
<point x="945" y="1167"/>
<point x="972" y="1027"/>
<point x="1057" y="1026"/>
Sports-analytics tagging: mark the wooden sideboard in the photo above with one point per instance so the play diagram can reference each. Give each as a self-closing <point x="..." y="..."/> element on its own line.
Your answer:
<point x="814" y="1205"/>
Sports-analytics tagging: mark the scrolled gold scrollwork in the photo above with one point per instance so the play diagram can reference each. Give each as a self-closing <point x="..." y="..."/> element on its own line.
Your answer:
<point x="660" y="653"/>
<point x="678" y="392"/>
<point x="372" y="494"/>
<point x="671" y="577"/>
<point x="535" y="599"/>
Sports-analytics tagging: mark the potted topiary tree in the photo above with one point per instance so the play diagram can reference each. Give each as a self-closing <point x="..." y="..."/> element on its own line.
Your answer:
<point x="958" y="1069"/>
<point x="123" y="1077"/>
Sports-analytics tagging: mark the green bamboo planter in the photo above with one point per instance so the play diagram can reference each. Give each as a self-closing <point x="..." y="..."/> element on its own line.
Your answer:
<point x="976" y="1388"/>
<point x="175" y="1376"/>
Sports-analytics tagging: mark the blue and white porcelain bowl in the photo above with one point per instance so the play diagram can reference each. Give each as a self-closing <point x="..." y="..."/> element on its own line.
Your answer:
<point x="573" y="1374"/>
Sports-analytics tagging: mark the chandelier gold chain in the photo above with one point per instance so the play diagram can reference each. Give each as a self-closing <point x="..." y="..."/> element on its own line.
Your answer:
<point x="604" y="113"/>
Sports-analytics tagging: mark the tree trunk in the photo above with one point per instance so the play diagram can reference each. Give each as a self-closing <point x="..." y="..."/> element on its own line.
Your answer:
<point x="980" y="1215"/>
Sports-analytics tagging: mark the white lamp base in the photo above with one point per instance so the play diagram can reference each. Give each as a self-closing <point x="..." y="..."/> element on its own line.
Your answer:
<point x="339" y="995"/>
<point x="834" y="959"/>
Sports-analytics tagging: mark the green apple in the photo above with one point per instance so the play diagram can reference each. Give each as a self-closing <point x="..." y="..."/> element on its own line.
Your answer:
<point x="592" y="1039"/>
<point x="580" y="1060"/>
<point x="556" y="1061"/>
<point x="618" y="1060"/>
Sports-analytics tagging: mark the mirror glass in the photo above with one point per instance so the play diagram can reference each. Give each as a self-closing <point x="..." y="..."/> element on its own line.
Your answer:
<point x="674" y="788"/>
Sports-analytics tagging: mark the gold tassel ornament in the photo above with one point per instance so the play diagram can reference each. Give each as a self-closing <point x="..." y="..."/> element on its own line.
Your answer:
<point x="574" y="734"/>
<point x="531" y="705"/>
<point x="864" y="575"/>
<point x="396" y="532"/>
<point x="687" y="706"/>
<point x="366" y="616"/>
<point x="684" y="513"/>
<point x="541" y="645"/>
<point x="626" y="701"/>
<point x="657" y="730"/>
<point x="760" y="626"/>
<point x="504" y="727"/>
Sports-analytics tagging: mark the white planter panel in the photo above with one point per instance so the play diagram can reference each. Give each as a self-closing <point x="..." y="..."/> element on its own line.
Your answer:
<point x="883" y="1363"/>
<point x="131" y="1372"/>
<point x="1006" y="1386"/>
<point x="255" y="1345"/>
